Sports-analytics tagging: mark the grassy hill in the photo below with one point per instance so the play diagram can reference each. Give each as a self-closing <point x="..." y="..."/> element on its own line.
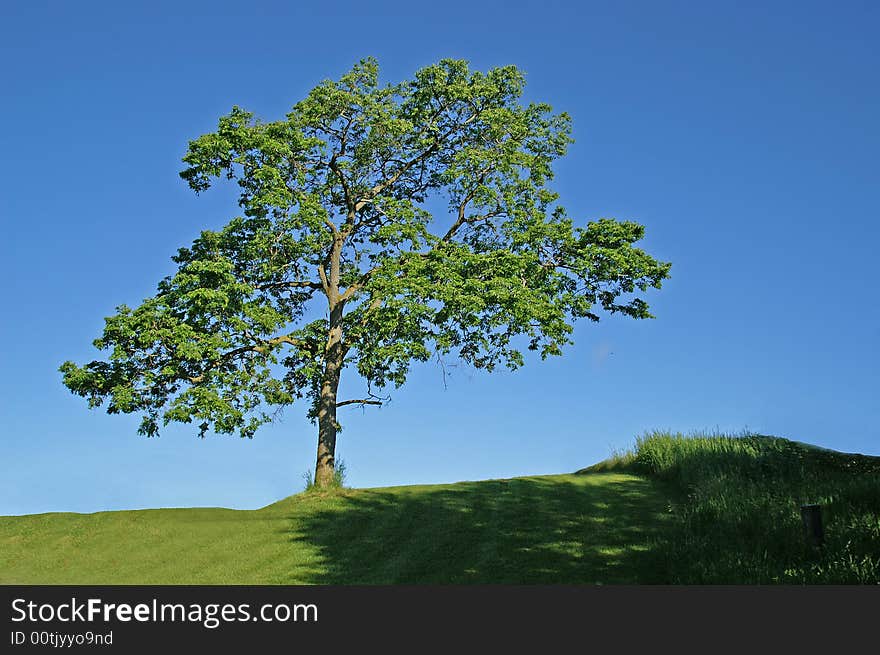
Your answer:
<point x="674" y="510"/>
<point x="555" y="529"/>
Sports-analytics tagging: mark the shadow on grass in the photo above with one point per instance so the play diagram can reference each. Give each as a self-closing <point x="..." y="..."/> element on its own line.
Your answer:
<point x="561" y="530"/>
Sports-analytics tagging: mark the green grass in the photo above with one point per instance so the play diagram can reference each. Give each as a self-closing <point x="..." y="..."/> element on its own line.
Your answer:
<point x="737" y="520"/>
<point x="702" y="509"/>
<point x="552" y="529"/>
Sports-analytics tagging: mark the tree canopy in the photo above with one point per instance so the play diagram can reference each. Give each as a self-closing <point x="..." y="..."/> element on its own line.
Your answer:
<point x="417" y="215"/>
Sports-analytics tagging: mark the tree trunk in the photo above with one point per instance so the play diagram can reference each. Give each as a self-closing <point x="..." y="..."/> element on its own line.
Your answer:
<point x="325" y="467"/>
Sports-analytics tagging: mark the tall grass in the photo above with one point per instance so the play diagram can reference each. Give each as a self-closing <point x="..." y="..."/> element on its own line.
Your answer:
<point x="338" y="481"/>
<point x="738" y="515"/>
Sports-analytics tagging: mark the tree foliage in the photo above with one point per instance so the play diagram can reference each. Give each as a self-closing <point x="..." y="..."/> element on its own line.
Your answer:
<point x="339" y="205"/>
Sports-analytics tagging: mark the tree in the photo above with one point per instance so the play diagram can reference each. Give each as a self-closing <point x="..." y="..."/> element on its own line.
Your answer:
<point x="339" y="205"/>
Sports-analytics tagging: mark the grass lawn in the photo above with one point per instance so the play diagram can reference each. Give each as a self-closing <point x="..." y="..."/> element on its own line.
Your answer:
<point x="594" y="528"/>
<point x="709" y="509"/>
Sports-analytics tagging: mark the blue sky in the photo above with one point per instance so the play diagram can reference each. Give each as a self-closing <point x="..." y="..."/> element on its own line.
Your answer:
<point x="743" y="135"/>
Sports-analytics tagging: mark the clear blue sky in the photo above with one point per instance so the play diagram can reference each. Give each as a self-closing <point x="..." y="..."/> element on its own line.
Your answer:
<point x="744" y="135"/>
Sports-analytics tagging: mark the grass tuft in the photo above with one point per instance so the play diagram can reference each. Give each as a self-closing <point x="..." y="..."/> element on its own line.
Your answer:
<point x="338" y="482"/>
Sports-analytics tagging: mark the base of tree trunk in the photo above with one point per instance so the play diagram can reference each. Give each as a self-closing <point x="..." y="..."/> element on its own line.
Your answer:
<point x="325" y="475"/>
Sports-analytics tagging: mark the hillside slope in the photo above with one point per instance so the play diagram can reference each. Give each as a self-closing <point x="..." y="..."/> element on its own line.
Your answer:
<point x="698" y="509"/>
<point x="739" y="520"/>
<point x="597" y="528"/>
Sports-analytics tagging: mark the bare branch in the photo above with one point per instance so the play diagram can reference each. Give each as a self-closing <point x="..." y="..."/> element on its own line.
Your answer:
<point x="372" y="400"/>
<point x="442" y="369"/>
<point x="362" y="401"/>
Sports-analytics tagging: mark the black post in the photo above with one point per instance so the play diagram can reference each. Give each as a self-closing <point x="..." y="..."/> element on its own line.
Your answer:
<point x="812" y="518"/>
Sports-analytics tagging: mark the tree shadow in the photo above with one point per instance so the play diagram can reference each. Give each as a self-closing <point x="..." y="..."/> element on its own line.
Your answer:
<point x="593" y="529"/>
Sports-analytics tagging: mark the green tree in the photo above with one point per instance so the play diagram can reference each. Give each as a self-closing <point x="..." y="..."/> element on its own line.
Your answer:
<point x="339" y="205"/>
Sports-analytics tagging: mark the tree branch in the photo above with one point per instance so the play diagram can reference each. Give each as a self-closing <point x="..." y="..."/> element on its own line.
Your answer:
<point x="384" y="184"/>
<point x="295" y="284"/>
<point x="334" y="166"/>
<point x="330" y="224"/>
<point x="325" y="283"/>
<point x="259" y="348"/>
<point x="299" y="343"/>
<point x="362" y="401"/>
<point x="462" y="208"/>
<point x="461" y="220"/>
<point x="358" y="285"/>
<point x="375" y="303"/>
